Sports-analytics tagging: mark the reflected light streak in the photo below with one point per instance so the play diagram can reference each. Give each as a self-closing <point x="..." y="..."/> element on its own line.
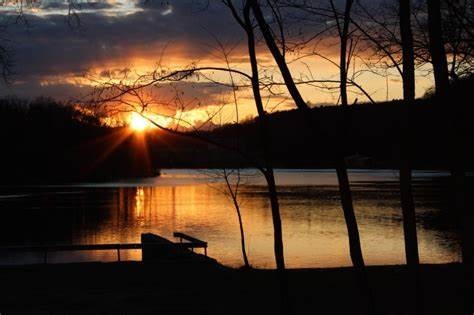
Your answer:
<point x="314" y="230"/>
<point x="312" y="238"/>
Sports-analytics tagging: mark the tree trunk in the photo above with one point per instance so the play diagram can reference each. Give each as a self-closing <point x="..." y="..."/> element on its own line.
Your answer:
<point x="239" y="217"/>
<point x="262" y="119"/>
<point x="355" y="249"/>
<point x="242" y="236"/>
<point x="466" y="225"/>
<point x="343" y="52"/>
<point x="408" y="208"/>
<point x="437" y="51"/>
<point x="276" y="218"/>
<point x="269" y="174"/>
<point x="461" y="203"/>
<point x="458" y="174"/>
<point x="342" y="174"/>
<point x="408" y="53"/>
<point x="277" y="56"/>
<point x="406" y="194"/>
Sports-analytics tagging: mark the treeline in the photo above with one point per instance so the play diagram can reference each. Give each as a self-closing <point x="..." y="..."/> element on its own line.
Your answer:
<point x="44" y="140"/>
<point x="47" y="141"/>
<point x="373" y="136"/>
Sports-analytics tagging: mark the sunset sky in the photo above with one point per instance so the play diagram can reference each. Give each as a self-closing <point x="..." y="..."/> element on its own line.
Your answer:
<point x="52" y="58"/>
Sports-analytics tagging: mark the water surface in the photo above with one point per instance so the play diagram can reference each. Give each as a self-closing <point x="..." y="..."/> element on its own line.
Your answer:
<point x="196" y="202"/>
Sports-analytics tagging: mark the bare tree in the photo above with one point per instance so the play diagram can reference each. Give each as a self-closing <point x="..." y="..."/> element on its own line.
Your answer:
<point x="233" y="181"/>
<point x="453" y="31"/>
<point x="438" y="53"/>
<point x="458" y="36"/>
<point x="406" y="193"/>
<point x="233" y="187"/>
<point x="341" y="168"/>
<point x="343" y="31"/>
<point x="245" y="22"/>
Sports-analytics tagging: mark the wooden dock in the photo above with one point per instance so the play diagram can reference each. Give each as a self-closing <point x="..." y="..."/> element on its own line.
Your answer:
<point x="154" y="247"/>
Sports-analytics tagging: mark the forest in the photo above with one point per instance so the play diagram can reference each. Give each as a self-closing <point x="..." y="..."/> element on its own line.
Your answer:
<point x="69" y="145"/>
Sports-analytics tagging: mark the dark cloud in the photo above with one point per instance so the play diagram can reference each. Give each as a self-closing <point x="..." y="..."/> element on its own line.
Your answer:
<point x="64" y="5"/>
<point x="33" y="88"/>
<point x="49" y="47"/>
<point x="116" y="35"/>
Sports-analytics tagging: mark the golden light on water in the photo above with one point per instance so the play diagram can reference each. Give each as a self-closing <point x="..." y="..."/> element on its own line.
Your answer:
<point x="314" y="230"/>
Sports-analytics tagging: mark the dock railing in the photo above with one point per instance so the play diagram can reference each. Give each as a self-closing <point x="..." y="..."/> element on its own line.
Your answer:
<point x="45" y="249"/>
<point x="191" y="240"/>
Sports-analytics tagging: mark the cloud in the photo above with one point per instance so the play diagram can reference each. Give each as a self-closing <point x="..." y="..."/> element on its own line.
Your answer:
<point x="52" y="58"/>
<point x="49" y="47"/>
<point x="64" y="7"/>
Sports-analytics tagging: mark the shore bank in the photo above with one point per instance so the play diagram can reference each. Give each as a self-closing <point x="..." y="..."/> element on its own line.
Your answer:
<point x="210" y="288"/>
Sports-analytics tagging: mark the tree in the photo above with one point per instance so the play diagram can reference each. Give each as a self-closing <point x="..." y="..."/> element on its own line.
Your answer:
<point x="247" y="26"/>
<point x="456" y="28"/>
<point x="343" y="32"/>
<point x="436" y="44"/>
<point x="406" y="193"/>
<point x="341" y="168"/>
<point x="233" y="190"/>
<point x="457" y="20"/>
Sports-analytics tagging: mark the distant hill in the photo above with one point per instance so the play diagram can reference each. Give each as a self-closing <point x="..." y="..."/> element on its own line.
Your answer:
<point x="46" y="141"/>
<point x="368" y="133"/>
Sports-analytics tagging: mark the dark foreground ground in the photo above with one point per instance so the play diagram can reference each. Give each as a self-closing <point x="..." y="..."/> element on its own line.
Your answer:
<point x="184" y="288"/>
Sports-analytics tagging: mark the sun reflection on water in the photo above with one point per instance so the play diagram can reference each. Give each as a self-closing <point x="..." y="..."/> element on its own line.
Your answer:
<point x="313" y="224"/>
<point x="314" y="230"/>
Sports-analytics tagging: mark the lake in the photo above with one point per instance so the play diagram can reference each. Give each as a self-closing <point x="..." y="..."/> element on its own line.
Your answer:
<point x="195" y="202"/>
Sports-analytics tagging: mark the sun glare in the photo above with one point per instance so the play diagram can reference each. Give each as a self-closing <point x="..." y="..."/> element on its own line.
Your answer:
<point x="138" y="123"/>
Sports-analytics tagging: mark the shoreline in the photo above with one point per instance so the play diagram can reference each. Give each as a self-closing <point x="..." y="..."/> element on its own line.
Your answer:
<point x="430" y="173"/>
<point x="211" y="288"/>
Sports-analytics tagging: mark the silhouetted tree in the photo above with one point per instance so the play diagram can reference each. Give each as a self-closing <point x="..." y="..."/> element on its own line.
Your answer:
<point x="436" y="42"/>
<point x="437" y="33"/>
<point x="406" y="193"/>
<point x="246" y="24"/>
<point x="458" y="34"/>
<point x="387" y="42"/>
<point x="233" y="190"/>
<point x="343" y="31"/>
<point x="341" y="168"/>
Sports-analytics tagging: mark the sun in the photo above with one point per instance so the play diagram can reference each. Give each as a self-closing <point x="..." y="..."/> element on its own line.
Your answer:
<point x="138" y="123"/>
